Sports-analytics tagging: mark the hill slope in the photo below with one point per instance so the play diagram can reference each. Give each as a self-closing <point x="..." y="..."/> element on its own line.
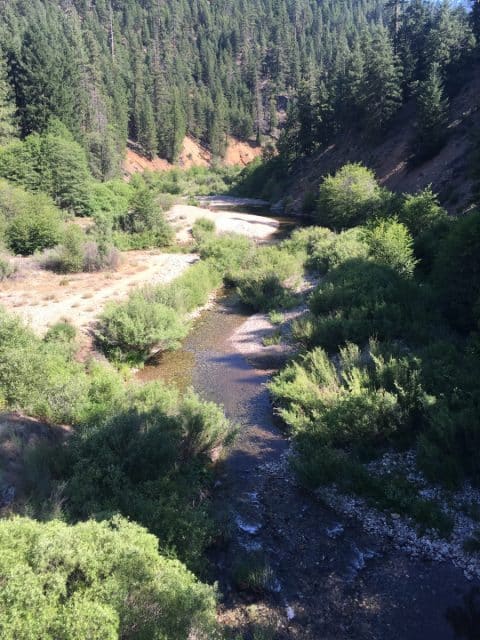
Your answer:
<point x="448" y="172"/>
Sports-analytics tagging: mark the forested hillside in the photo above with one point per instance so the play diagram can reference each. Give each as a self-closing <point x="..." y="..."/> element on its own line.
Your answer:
<point x="153" y="71"/>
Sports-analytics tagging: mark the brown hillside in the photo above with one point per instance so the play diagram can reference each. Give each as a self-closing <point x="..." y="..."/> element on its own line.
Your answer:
<point x="192" y="155"/>
<point x="448" y="172"/>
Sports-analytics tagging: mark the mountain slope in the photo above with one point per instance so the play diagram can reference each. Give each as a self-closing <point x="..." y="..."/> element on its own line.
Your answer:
<point x="448" y="172"/>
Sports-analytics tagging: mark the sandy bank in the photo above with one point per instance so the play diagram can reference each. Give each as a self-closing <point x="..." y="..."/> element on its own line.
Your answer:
<point x="183" y="217"/>
<point x="43" y="298"/>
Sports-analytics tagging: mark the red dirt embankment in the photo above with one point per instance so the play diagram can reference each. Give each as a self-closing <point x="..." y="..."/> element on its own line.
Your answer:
<point x="238" y="153"/>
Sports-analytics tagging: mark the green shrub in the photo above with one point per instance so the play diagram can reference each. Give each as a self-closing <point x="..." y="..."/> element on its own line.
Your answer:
<point x="111" y="199"/>
<point x="131" y="330"/>
<point x="276" y="317"/>
<point x="63" y="332"/>
<point x="421" y="212"/>
<point x="39" y="377"/>
<point x="267" y="282"/>
<point x="96" y="581"/>
<point x="52" y="163"/>
<point x="203" y="229"/>
<point x="361" y="299"/>
<point x="77" y="253"/>
<point x="349" y="197"/>
<point x="6" y="269"/>
<point x="390" y="244"/>
<point x="148" y="462"/>
<point x="192" y="289"/>
<point x="228" y="252"/>
<point x="145" y="220"/>
<point x="31" y="221"/>
<point x="303" y="241"/>
<point x="360" y="405"/>
<point x="456" y="272"/>
<point x="333" y="250"/>
<point x="253" y="573"/>
<point x="69" y="255"/>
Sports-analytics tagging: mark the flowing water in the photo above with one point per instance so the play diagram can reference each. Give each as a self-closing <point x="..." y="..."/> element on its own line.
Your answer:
<point x="327" y="579"/>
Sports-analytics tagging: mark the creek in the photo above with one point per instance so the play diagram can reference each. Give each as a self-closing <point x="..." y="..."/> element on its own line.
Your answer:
<point x="326" y="577"/>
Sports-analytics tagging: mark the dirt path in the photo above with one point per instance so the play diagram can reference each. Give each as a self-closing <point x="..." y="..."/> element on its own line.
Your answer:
<point x="43" y="298"/>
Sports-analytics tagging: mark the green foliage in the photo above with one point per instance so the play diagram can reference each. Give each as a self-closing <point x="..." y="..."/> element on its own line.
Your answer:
<point x="153" y="318"/>
<point x="52" y="163"/>
<point x="327" y="250"/>
<point x="193" y="182"/>
<point x="457" y="272"/>
<point x="39" y="377"/>
<point x="145" y="221"/>
<point x="360" y="299"/>
<point x="366" y="403"/>
<point x="190" y="290"/>
<point x="6" y="268"/>
<point x="229" y="252"/>
<point x="148" y="462"/>
<point x="390" y="244"/>
<point x="203" y="229"/>
<point x="421" y="212"/>
<point x="8" y="128"/>
<point x="69" y="256"/>
<point x="253" y="573"/>
<point x="62" y="332"/>
<point x="267" y="282"/>
<point x="276" y="317"/>
<point x="96" y="580"/>
<point x="349" y="197"/>
<point x="432" y="116"/>
<point x="31" y="221"/>
<point x="132" y="330"/>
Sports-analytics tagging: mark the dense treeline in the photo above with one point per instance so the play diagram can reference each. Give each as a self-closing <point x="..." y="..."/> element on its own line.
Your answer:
<point x="154" y="71"/>
<point x="421" y="50"/>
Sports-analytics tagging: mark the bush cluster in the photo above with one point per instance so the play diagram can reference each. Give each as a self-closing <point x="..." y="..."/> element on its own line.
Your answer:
<point x="153" y="319"/>
<point x="96" y="580"/>
<point x="139" y="450"/>
<point x="408" y="280"/>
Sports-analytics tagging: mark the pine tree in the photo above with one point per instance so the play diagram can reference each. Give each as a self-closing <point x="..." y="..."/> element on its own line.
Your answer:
<point x="382" y="87"/>
<point x="8" y="129"/>
<point x="147" y="131"/>
<point x="306" y="115"/>
<point x="432" y="115"/>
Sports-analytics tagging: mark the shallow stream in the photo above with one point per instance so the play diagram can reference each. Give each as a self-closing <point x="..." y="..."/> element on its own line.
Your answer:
<point x="328" y="579"/>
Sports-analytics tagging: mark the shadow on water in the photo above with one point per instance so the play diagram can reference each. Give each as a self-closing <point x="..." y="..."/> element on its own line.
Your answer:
<point x="339" y="588"/>
<point x="465" y="618"/>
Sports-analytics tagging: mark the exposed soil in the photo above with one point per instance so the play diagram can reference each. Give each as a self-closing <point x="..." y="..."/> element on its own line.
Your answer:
<point x="448" y="172"/>
<point x="43" y="298"/>
<point x="183" y="216"/>
<point x="193" y="154"/>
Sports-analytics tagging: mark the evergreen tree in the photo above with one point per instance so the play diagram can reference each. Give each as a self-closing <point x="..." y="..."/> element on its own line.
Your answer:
<point x="381" y="89"/>
<point x="432" y="115"/>
<point x="147" y="132"/>
<point x="8" y="129"/>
